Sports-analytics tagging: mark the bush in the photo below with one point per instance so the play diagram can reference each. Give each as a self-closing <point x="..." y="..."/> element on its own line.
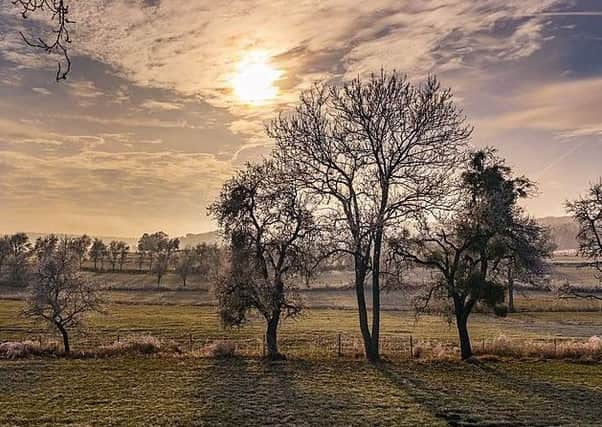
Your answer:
<point x="131" y="346"/>
<point x="20" y="349"/>
<point x="220" y="349"/>
<point x="506" y="347"/>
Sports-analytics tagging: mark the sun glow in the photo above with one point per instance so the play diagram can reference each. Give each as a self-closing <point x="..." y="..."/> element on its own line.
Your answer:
<point x="254" y="80"/>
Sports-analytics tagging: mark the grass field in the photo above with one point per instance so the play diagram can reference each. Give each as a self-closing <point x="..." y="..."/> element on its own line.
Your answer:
<point x="315" y="386"/>
<point x="166" y="391"/>
<point x="315" y="332"/>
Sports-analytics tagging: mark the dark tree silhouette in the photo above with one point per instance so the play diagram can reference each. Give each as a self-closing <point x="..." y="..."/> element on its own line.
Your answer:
<point x="270" y="227"/>
<point x="376" y="151"/>
<point x="58" y="42"/>
<point x="467" y="246"/>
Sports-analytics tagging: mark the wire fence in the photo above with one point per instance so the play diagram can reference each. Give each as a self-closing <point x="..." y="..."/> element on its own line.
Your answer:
<point x="332" y="345"/>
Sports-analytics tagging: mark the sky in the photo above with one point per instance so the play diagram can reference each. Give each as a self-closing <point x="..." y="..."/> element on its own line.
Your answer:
<point x="155" y="115"/>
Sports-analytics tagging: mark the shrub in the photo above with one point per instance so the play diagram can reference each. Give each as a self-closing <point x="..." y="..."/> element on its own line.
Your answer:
<point x="20" y="349"/>
<point x="220" y="349"/>
<point x="133" y="345"/>
<point x="506" y="347"/>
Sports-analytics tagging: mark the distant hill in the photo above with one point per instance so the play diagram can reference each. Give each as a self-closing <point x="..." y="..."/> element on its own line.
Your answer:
<point x="564" y="231"/>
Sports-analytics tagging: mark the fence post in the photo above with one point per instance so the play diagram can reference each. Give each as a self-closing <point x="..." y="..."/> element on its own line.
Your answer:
<point x="118" y="336"/>
<point x="190" y="341"/>
<point x="339" y="344"/>
<point x="555" y="351"/>
<point x="411" y="347"/>
<point x="483" y="346"/>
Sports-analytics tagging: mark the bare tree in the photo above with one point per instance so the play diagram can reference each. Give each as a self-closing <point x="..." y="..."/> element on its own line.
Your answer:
<point x="267" y="222"/>
<point x="151" y="244"/>
<point x="376" y="151"/>
<point x="185" y="263"/>
<point x="18" y="258"/>
<point x="98" y="251"/>
<point x="161" y="266"/>
<point x="467" y="246"/>
<point x="46" y="245"/>
<point x="164" y="248"/>
<point x="123" y="254"/>
<point x="58" y="42"/>
<point x="114" y="251"/>
<point x="208" y="260"/>
<point x="60" y="296"/>
<point x="80" y="245"/>
<point x="4" y="250"/>
<point x="587" y="211"/>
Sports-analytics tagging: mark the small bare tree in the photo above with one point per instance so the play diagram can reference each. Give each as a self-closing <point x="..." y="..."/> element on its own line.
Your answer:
<point x="376" y="151"/>
<point x="98" y="251"/>
<point x="268" y="223"/>
<point x="185" y="263"/>
<point x="80" y="245"/>
<point x="165" y="248"/>
<point x="59" y="294"/>
<point x="114" y="253"/>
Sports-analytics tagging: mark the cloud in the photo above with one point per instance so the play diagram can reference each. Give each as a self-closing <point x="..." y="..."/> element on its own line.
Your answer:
<point x="41" y="91"/>
<point x="194" y="47"/>
<point x="569" y="108"/>
<point x="159" y="187"/>
<point x="161" y="105"/>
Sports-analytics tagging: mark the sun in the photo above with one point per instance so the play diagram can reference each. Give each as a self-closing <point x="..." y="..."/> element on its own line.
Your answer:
<point x="254" y="80"/>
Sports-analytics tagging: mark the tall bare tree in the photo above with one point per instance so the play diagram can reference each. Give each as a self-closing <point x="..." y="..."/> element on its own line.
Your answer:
<point x="268" y="224"/>
<point x="376" y="150"/>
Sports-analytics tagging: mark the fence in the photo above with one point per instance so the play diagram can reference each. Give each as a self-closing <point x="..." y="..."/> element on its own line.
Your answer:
<point x="340" y="345"/>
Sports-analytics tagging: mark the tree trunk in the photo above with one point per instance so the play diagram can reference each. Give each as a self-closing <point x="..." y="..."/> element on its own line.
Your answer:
<point x="510" y="290"/>
<point x="360" y="276"/>
<point x="65" y="335"/>
<point x="271" y="337"/>
<point x="375" y="353"/>
<point x="465" y="347"/>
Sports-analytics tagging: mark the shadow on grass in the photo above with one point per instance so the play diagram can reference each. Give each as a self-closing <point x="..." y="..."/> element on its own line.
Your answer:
<point x="487" y="395"/>
<point x="251" y="392"/>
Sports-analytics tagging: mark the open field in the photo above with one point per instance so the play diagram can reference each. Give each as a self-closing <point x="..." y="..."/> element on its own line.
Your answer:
<point x="314" y="334"/>
<point x="315" y="386"/>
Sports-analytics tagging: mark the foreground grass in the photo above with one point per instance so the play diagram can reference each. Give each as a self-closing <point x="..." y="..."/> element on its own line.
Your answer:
<point x="170" y="391"/>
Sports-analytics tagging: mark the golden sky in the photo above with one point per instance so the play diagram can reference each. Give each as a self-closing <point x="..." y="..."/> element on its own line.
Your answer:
<point x="167" y="97"/>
